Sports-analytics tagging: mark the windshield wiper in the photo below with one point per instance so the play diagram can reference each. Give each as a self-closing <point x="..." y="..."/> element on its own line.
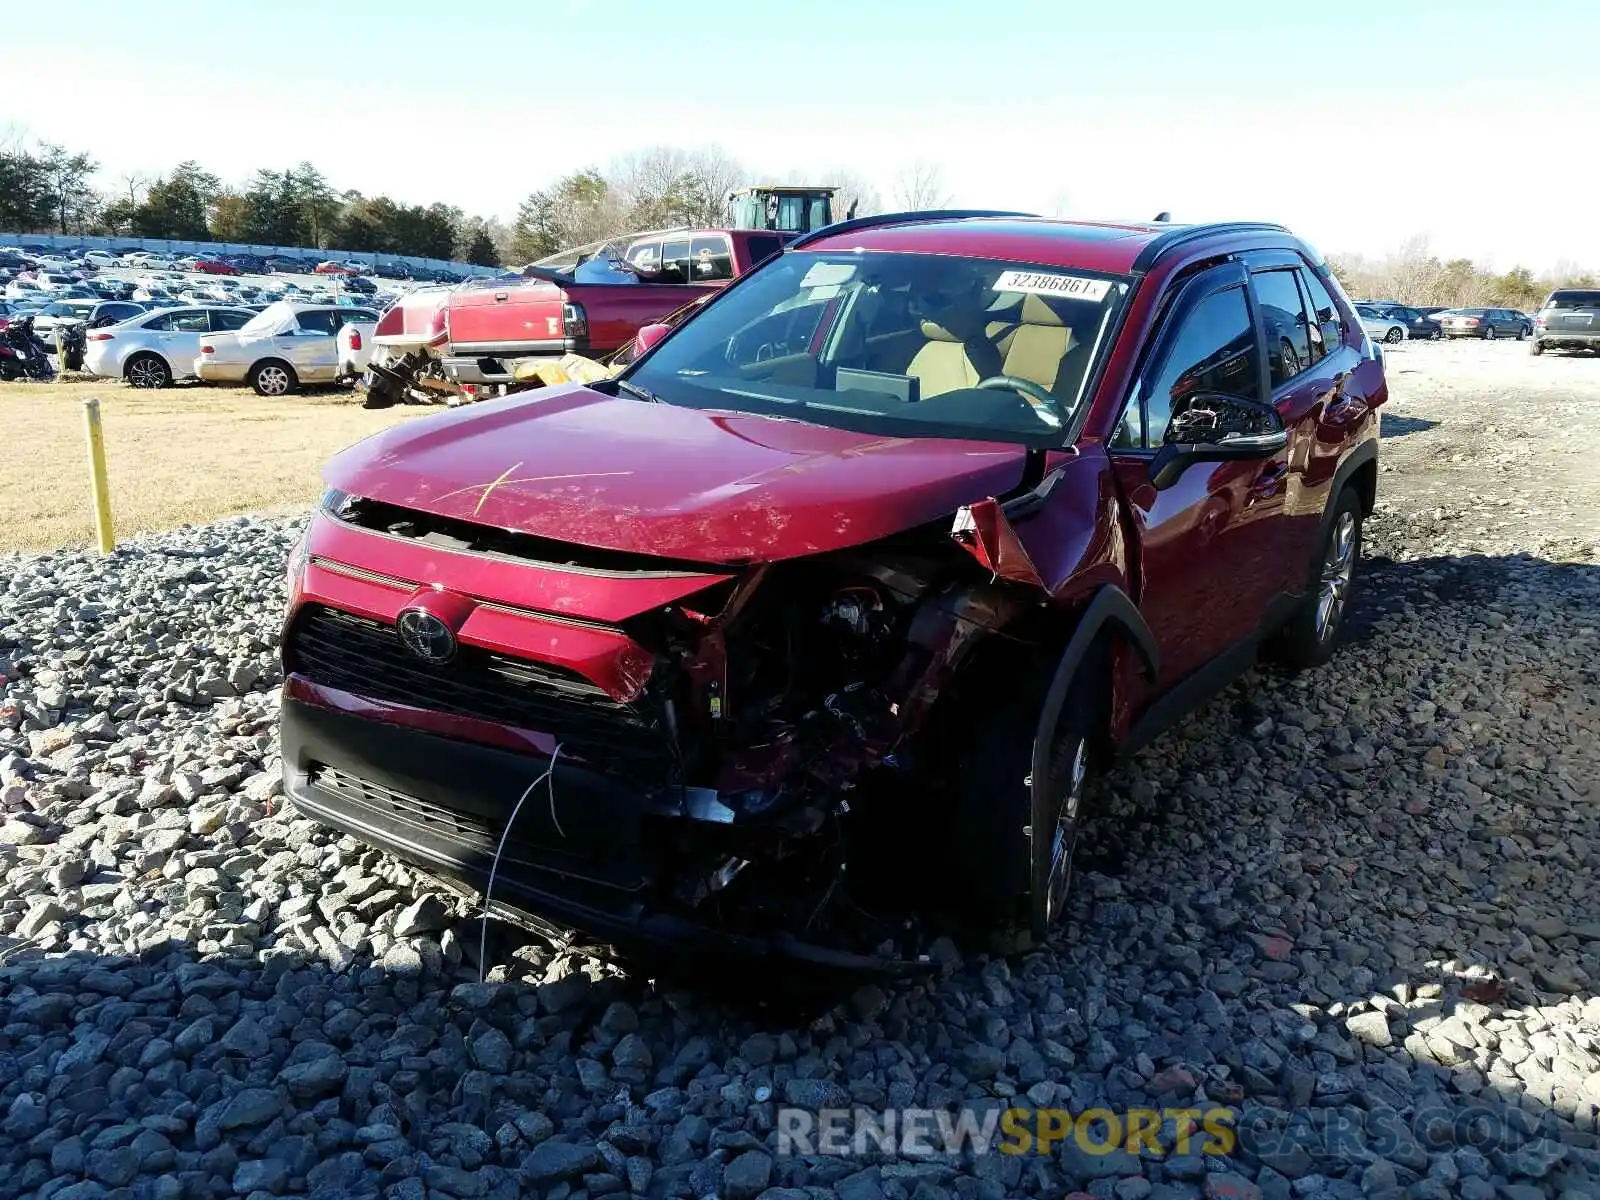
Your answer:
<point x="637" y="392"/>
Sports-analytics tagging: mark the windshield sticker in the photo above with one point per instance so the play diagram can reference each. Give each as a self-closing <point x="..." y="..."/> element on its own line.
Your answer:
<point x="827" y="274"/>
<point x="1068" y="287"/>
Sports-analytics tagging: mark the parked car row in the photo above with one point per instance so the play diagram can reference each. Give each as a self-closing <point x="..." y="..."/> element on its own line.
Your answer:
<point x="275" y="350"/>
<point x="1386" y="321"/>
<point x="219" y="264"/>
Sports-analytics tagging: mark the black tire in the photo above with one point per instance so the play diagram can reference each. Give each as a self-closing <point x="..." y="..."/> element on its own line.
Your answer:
<point x="1312" y="635"/>
<point x="1536" y="347"/>
<point x="147" y="371"/>
<point x="1488" y="333"/>
<point x="273" y="377"/>
<point x="1003" y="871"/>
<point x="1522" y="332"/>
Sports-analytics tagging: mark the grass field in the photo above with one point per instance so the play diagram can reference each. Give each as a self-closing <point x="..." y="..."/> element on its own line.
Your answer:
<point x="176" y="456"/>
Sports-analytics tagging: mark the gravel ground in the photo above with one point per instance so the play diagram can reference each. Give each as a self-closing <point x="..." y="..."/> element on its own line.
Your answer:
<point x="1359" y="907"/>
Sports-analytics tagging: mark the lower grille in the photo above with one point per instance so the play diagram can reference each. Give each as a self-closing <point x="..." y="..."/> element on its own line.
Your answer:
<point x="463" y="836"/>
<point x="366" y="657"/>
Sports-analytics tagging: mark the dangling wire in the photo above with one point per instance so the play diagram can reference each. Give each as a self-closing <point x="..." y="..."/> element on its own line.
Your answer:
<point x="483" y="935"/>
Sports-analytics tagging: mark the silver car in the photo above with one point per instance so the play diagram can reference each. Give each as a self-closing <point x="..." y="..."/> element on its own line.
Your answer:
<point x="1379" y="327"/>
<point x="152" y="350"/>
<point x="284" y="346"/>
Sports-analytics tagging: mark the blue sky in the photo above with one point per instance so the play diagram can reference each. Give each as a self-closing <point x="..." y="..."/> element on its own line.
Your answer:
<point x="1359" y="124"/>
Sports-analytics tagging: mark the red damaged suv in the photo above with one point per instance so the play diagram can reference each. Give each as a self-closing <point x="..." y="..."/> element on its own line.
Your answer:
<point x="837" y="596"/>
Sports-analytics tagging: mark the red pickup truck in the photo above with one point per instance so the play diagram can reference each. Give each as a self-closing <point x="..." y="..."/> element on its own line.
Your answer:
<point x="589" y="301"/>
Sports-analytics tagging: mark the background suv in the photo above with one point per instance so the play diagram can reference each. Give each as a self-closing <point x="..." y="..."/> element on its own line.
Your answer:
<point x="844" y="590"/>
<point x="1569" y="320"/>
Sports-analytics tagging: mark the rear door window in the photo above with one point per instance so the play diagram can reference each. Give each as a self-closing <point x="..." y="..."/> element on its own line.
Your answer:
<point x="1324" y="311"/>
<point x="191" y="322"/>
<point x="713" y="259"/>
<point x="322" y="320"/>
<point x="675" y="262"/>
<point x="1283" y="317"/>
<point x="222" y="320"/>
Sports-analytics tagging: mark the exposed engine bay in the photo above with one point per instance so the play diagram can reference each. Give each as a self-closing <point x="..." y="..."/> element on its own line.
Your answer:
<point x="803" y="712"/>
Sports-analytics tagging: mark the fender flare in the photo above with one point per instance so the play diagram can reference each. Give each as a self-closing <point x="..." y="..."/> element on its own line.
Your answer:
<point x="1110" y="606"/>
<point x="1366" y="452"/>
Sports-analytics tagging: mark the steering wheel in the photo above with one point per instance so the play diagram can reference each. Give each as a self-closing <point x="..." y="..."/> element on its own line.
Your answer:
<point x="1045" y="406"/>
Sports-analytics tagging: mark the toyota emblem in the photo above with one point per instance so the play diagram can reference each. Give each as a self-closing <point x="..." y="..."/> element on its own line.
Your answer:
<point x="426" y="636"/>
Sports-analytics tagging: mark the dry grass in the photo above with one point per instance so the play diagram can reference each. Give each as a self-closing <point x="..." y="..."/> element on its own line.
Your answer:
<point x="177" y="456"/>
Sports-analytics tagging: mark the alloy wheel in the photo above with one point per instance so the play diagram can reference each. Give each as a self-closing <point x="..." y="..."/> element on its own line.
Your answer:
<point x="1064" y="837"/>
<point x="147" y="373"/>
<point x="1338" y="568"/>
<point x="274" y="381"/>
<point x="1488" y="334"/>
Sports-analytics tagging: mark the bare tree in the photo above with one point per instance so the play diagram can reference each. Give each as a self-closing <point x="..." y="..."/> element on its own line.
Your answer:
<point x="920" y="185"/>
<point x="135" y="182"/>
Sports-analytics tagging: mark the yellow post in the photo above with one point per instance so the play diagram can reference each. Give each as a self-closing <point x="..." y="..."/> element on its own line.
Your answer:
<point x="98" y="489"/>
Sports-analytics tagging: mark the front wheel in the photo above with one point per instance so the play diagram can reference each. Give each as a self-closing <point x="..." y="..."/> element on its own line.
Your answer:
<point x="1308" y="640"/>
<point x="1488" y="333"/>
<point x="1012" y="848"/>
<point x="273" y="378"/>
<point x="1394" y="336"/>
<point x="148" y="371"/>
<point x="1522" y="333"/>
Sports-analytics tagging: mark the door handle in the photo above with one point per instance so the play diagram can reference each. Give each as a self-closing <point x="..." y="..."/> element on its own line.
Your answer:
<point x="1269" y="483"/>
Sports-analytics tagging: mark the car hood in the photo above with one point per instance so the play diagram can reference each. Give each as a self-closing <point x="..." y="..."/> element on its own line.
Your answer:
<point x="703" y="486"/>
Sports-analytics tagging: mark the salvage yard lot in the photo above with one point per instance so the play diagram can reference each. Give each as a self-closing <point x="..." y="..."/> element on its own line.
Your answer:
<point x="1356" y="907"/>
<point x="176" y="456"/>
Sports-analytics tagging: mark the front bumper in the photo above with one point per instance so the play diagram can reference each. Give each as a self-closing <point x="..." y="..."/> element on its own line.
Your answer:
<point x="442" y="805"/>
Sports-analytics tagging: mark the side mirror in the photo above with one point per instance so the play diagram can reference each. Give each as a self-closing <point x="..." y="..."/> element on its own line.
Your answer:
<point x="647" y="337"/>
<point x="1216" y="428"/>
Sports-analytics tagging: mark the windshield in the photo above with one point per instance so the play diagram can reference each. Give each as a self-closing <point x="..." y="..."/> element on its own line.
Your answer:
<point x="896" y="344"/>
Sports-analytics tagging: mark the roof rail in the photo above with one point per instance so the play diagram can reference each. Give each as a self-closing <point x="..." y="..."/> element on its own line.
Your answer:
<point x="900" y="218"/>
<point x="1158" y="246"/>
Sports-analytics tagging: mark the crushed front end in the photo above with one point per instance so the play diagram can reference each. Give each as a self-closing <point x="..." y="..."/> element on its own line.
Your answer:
<point x="697" y="756"/>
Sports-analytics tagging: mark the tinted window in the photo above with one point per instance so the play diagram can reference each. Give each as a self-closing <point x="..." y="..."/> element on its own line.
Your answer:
<point x="1573" y="300"/>
<point x="713" y="259"/>
<point x="223" y="320"/>
<point x="1284" y="319"/>
<point x="1326" y="312"/>
<point x="1214" y="351"/>
<point x="763" y="246"/>
<point x="191" y="322"/>
<point x="162" y="322"/>
<point x="675" y="262"/>
<point x="319" y="321"/>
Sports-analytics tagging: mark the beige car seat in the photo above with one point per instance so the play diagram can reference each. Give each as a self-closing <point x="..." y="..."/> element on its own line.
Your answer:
<point x="1037" y="348"/>
<point x="948" y="362"/>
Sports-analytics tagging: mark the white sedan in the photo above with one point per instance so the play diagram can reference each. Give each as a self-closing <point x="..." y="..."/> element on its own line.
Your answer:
<point x="282" y="347"/>
<point x="153" y="349"/>
<point x="1379" y="327"/>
